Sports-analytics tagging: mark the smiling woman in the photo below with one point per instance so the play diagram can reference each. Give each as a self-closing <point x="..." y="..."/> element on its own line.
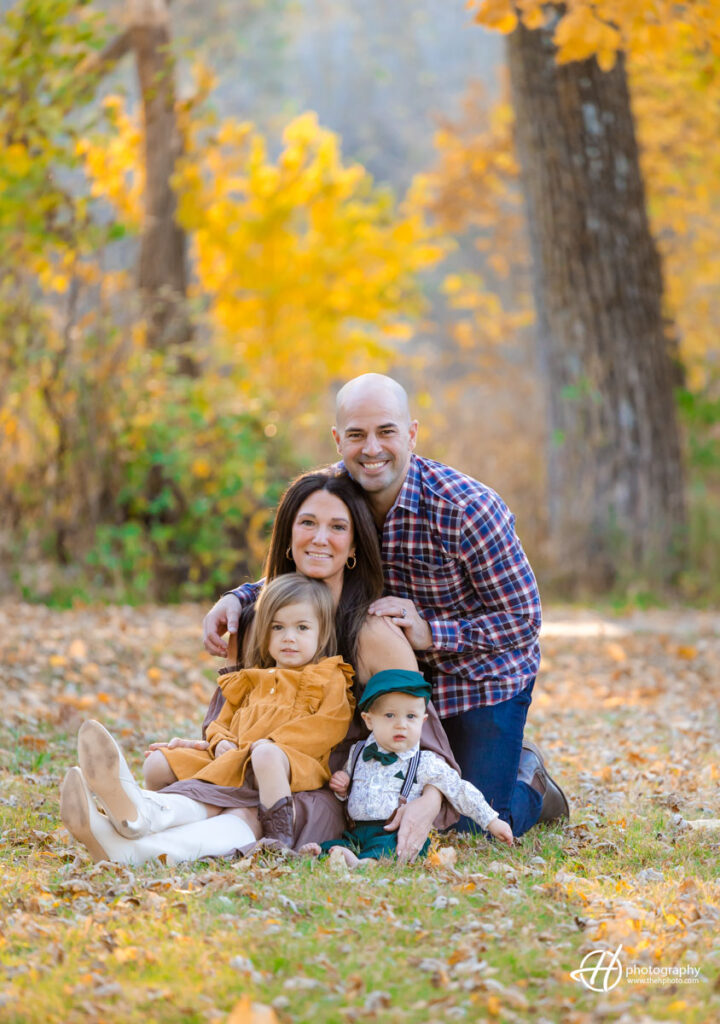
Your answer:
<point x="322" y="540"/>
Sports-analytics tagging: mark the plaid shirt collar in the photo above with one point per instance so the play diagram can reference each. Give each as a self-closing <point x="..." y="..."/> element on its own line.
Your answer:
<point x="409" y="496"/>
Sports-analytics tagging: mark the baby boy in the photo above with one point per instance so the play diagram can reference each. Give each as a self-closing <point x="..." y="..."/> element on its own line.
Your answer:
<point x="388" y="768"/>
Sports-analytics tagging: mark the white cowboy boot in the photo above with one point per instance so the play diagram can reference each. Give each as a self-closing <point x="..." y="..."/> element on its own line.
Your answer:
<point x="214" y="837"/>
<point x="133" y="811"/>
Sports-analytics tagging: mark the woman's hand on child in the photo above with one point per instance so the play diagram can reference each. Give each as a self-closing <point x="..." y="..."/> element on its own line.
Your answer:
<point x="178" y="741"/>
<point x="501" y="830"/>
<point x="340" y="783"/>
<point x="223" y="747"/>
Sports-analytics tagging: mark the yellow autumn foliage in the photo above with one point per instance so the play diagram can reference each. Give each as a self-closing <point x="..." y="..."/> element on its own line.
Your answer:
<point x="474" y="189"/>
<point x="117" y="464"/>
<point x="676" y="101"/>
<point x="114" y="165"/>
<point x="306" y="269"/>
<point x="601" y="28"/>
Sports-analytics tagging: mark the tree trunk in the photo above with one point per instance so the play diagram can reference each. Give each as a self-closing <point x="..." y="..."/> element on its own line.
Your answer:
<point x="162" y="274"/>
<point x="614" y="469"/>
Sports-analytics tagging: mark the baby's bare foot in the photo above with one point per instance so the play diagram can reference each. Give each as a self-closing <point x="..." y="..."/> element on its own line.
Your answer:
<point x="340" y="855"/>
<point x="366" y="863"/>
<point x="310" y="850"/>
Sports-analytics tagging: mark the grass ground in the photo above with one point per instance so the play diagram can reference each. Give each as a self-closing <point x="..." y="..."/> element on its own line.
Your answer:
<point x="628" y="713"/>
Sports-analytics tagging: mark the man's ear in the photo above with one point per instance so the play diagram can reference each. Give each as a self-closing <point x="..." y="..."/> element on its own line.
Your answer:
<point x="413" y="434"/>
<point x="336" y="438"/>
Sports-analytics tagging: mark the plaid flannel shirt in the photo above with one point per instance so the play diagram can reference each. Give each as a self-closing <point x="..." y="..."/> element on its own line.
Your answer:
<point x="449" y="545"/>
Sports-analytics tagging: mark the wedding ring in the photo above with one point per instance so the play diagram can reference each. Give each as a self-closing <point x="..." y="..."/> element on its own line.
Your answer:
<point x="404" y="613"/>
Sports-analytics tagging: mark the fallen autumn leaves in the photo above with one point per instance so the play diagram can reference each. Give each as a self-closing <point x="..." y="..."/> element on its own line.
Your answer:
<point x="628" y="713"/>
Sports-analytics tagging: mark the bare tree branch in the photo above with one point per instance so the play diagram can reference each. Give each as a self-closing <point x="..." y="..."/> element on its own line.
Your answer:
<point x="100" y="63"/>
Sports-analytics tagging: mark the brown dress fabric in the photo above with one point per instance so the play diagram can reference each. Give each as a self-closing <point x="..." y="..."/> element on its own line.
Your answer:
<point x="319" y="815"/>
<point x="305" y="712"/>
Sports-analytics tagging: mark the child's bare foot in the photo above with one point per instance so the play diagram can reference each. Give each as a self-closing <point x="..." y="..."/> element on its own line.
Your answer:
<point x="366" y="863"/>
<point x="341" y="855"/>
<point x="310" y="849"/>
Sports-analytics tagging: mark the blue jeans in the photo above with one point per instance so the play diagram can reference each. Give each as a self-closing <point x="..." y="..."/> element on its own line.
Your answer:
<point x="486" y="743"/>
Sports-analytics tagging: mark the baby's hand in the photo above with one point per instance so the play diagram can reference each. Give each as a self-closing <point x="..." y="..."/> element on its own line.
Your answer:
<point x="340" y="783"/>
<point x="501" y="830"/>
<point x="223" y="747"/>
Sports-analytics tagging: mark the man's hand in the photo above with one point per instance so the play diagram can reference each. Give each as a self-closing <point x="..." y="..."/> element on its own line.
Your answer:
<point x="339" y="784"/>
<point x="223" y="747"/>
<point x="176" y="742"/>
<point x="404" y="614"/>
<point x="501" y="830"/>
<point x="223" y="617"/>
<point x="414" y="821"/>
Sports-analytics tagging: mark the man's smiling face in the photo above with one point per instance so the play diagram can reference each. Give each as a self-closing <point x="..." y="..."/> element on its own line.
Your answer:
<point x="375" y="438"/>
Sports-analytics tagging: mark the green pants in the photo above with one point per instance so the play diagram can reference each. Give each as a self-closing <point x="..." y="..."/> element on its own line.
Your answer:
<point x="368" y="839"/>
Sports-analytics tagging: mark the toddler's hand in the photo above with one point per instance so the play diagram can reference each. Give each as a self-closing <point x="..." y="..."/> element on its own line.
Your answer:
<point x="501" y="830"/>
<point x="340" y="783"/>
<point x="223" y="747"/>
<point x="176" y="742"/>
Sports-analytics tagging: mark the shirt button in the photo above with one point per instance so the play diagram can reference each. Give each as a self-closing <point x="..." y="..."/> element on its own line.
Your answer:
<point x="272" y="690"/>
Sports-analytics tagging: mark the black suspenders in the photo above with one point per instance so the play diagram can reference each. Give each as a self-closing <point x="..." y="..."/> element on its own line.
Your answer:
<point x="410" y="774"/>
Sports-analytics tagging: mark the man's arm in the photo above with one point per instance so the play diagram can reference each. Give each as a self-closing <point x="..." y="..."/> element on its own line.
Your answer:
<point x="224" y="617"/>
<point x="504" y="582"/>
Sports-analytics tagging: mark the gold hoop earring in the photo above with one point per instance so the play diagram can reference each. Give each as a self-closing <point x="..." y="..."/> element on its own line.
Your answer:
<point x="288" y="554"/>
<point x="354" y="562"/>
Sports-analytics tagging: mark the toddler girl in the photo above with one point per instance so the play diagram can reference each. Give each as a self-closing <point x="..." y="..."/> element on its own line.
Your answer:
<point x="281" y="719"/>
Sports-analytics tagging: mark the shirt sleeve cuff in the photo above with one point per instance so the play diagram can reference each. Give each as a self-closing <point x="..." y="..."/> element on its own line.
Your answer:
<point x="445" y="635"/>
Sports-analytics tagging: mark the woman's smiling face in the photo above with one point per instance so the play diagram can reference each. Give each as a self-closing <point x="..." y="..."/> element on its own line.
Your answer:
<point x="322" y="539"/>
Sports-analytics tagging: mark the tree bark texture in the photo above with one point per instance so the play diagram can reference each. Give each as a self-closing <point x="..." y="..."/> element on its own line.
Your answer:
<point x="162" y="272"/>
<point x="614" y="469"/>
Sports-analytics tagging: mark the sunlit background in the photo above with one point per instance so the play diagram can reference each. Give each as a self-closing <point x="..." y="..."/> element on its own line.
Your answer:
<point x="348" y="198"/>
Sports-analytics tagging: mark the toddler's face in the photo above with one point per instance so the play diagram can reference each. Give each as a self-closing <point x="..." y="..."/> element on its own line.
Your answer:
<point x="396" y="719"/>
<point x="294" y="635"/>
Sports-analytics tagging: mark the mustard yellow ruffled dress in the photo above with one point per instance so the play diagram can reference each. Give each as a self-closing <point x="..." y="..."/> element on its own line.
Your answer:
<point x="306" y="712"/>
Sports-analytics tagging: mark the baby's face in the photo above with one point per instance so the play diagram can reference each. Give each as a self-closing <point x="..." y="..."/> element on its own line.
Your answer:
<point x="396" y="719"/>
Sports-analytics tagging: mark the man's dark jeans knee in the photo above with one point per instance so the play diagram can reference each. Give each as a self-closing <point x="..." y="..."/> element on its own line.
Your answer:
<point x="487" y="743"/>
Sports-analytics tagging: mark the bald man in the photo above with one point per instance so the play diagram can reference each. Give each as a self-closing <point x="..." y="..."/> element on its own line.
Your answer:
<point x="460" y="587"/>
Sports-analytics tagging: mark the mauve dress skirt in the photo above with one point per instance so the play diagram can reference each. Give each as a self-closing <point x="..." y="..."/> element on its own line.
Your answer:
<point x="319" y="815"/>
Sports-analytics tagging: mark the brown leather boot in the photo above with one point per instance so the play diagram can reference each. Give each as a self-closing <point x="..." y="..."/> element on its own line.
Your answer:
<point x="532" y="770"/>
<point x="277" y="821"/>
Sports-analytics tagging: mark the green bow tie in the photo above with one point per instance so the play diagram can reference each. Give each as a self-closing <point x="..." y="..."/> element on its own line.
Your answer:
<point x="372" y="753"/>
